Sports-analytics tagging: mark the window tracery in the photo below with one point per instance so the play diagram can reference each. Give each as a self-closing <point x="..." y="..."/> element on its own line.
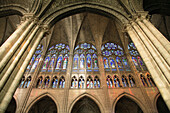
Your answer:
<point x="56" y="59"/>
<point x="113" y="55"/>
<point x="35" y="59"/>
<point x="85" y="58"/>
<point x="137" y="60"/>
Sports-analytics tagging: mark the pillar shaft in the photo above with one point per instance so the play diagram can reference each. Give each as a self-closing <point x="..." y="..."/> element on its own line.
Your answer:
<point x="155" y="42"/>
<point x="161" y="63"/>
<point x="7" y="98"/>
<point x="7" y="44"/>
<point x="17" y="58"/>
<point x="15" y="46"/>
<point x="156" y="73"/>
<point x="157" y="34"/>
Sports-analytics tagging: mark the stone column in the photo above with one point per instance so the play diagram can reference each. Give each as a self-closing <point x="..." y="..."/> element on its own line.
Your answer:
<point x="11" y="40"/>
<point x="158" y="46"/>
<point x="163" y="66"/>
<point x="103" y="81"/>
<point x="153" y="67"/>
<point x="158" y="35"/>
<point x="17" y="44"/>
<point x="67" y="82"/>
<point x="11" y="90"/>
<point x="17" y="58"/>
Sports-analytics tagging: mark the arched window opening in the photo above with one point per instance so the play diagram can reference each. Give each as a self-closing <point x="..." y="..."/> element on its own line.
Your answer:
<point x="39" y="82"/>
<point x="127" y="105"/>
<point x="35" y="59"/>
<point x="113" y="55"/>
<point x="81" y="82"/>
<point x="85" y="58"/>
<point x="22" y="82"/>
<point x="62" y="82"/>
<point x="56" y="59"/>
<point x="143" y="79"/>
<point x="89" y="82"/>
<point x="150" y="80"/>
<point x="109" y="82"/>
<point x="46" y="82"/>
<point x="131" y="80"/>
<point x="55" y="82"/>
<point x="125" y="81"/>
<point x="138" y="62"/>
<point x="85" y="105"/>
<point x="96" y="82"/>
<point x="46" y="62"/>
<point x="116" y="81"/>
<point x="161" y="106"/>
<point x="44" y="105"/>
<point x="27" y="82"/>
<point x="74" y="82"/>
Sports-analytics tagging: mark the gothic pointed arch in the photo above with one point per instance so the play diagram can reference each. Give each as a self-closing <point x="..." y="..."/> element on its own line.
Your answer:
<point x="123" y="99"/>
<point x="160" y="104"/>
<point x="45" y="99"/>
<point x="90" y="100"/>
<point x="55" y="15"/>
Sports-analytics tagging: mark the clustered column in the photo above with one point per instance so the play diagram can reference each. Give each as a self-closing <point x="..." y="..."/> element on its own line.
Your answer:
<point x="156" y="62"/>
<point x="26" y="38"/>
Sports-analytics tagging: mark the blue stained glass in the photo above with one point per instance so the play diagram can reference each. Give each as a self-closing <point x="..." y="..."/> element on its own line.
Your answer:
<point x="31" y="62"/>
<point x="77" y="47"/>
<point x="67" y="47"/>
<point x="89" y="63"/>
<point x="51" y="47"/>
<point x="85" y="45"/>
<point x="135" y="61"/>
<point x="75" y="62"/>
<point x="102" y="48"/>
<point x="118" y="60"/>
<point x="88" y="46"/>
<point x="38" y="47"/>
<point x="35" y="63"/>
<point x="95" y="61"/>
<point x="93" y="47"/>
<point x="82" y="61"/>
<point x="105" y="61"/>
<point x="51" y="65"/>
<point x="112" y="63"/>
<point x="46" y="61"/>
<point x="59" y="62"/>
<point x="65" y="61"/>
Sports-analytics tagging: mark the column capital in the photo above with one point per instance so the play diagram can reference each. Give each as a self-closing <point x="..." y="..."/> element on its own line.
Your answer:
<point x="127" y="27"/>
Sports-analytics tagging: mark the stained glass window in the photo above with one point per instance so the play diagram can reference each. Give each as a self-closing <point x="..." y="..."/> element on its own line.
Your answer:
<point x="124" y="81"/>
<point x="138" y="62"/>
<point x="22" y="82"/>
<point x="89" y="82"/>
<point x="55" y="82"/>
<point x="113" y="57"/>
<point x="81" y="82"/>
<point x="131" y="80"/>
<point x="56" y="58"/>
<point x="46" y="82"/>
<point x="109" y="82"/>
<point x="35" y="59"/>
<point x="85" y="58"/>
<point x="62" y="82"/>
<point x="96" y="82"/>
<point x="150" y="80"/>
<point x="39" y="82"/>
<point x="51" y="65"/>
<point x="116" y="81"/>
<point x="143" y="79"/>
<point x="27" y="82"/>
<point x="74" y="82"/>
